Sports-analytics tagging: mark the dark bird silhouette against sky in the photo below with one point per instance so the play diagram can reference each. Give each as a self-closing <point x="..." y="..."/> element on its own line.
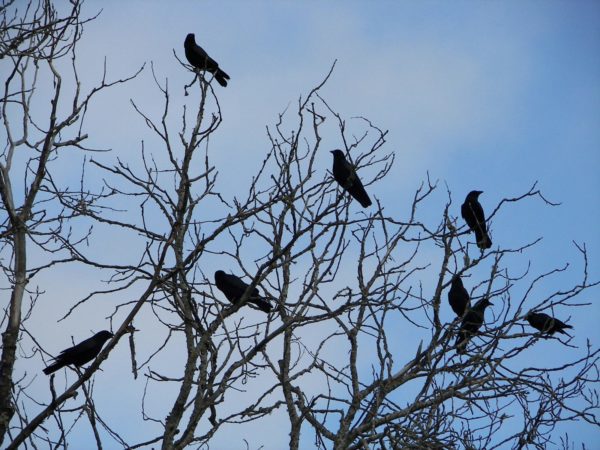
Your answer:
<point x="233" y="288"/>
<point x="471" y="324"/>
<point x="458" y="296"/>
<point x="198" y="58"/>
<point x="546" y="324"/>
<point x="345" y="174"/>
<point x="81" y="353"/>
<point x="473" y="214"/>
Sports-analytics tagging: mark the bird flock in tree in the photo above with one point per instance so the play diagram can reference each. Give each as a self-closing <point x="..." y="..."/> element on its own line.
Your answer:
<point x="344" y="173"/>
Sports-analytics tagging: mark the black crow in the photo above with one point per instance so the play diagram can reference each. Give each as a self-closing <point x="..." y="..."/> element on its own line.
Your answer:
<point x="471" y="324"/>
<point x="233" y="288"/>
<point x="198" y="58"/>
<point x="81" y="353"/>
<point x="345" y="174"/>
<point x="458" y="296"/>
<point x="546" y="324"/>
<point x="473" y="214"/>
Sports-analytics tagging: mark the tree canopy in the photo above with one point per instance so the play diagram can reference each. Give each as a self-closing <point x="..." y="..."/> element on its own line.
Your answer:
<point x="280" y="294"/>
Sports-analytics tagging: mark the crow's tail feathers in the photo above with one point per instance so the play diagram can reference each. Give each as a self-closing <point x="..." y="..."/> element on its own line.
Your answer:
<point x="358" y="192"/>
<point x="483" y="239"/>
<point x="53" y="367"/>
<point x="461" y="342"/>
<point x="221" y="77"/>
<point x="262" y="304"/>
<point x="562" y="331"/>
<point x="364" y="201"/>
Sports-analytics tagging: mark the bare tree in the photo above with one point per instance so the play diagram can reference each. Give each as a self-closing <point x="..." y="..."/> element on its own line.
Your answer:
<point x="347" y="286"/>
<point x="35" y="42"/>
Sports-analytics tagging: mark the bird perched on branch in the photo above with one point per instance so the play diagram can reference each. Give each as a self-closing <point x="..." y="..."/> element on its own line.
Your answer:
<point x="81" y="353"/>
<point x="345" y="174"/>
<point x="473" y="214"/>
<point x="233" y="288"/>
<point x="198" y="58"/>
<point x="471" y="324"/>
<point x="458" y="296"/>
<point x="546" y="324"/>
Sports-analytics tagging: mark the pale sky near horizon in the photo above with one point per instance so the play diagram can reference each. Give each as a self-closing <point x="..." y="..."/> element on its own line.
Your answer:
<point x="481" y="95"/>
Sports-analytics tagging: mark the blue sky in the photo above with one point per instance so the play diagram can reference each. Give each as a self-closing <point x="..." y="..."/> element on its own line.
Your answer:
<point x="482" y="95"/>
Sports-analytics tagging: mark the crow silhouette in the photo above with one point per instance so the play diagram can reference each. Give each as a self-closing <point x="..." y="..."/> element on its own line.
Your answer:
<point x="458" y="297"/>
<point x="233" y="288"/>
<point x="81" y="353"/>
<point x="471" y="324"/>
<point x="546" y="324"/>
<point x="345" y="174"/>
<point x="198" y="58"/>
<point x="473" y="214"/>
